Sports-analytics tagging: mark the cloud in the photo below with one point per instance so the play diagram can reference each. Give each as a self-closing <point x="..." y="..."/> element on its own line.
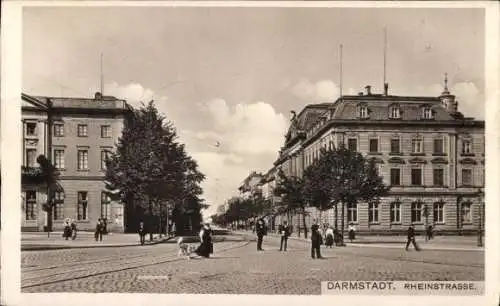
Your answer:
<point x="134" y="93"/>
<point x="247" y="128"/>
<point x="320" y="91"/>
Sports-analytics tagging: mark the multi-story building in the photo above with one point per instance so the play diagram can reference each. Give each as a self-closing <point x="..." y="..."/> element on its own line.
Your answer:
<point x="76" y="134"/>
<point x="430" y="154"/>
<point x="250" y="187"/>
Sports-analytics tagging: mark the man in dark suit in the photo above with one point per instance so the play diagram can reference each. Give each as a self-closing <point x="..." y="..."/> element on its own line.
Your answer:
<point x="316" y="241"/>
<point x="260" y="228"/>
<point x="411" y="238"/>
<point x="284" y="230"/>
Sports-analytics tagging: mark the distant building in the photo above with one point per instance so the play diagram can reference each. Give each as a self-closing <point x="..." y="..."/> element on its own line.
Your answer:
<point x="76" y="134"/>
<point x="250" y="186"/>
<point x="430" y="154"/>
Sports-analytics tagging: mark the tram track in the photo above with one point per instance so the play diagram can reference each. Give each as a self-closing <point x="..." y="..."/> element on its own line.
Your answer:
<point x="64" y="276"/>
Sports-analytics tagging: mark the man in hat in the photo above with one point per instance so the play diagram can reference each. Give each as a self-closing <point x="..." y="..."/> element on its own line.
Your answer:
<point x="284" y="230"/>
<point x="411" y="238"/>
<point x="260" y="228"/>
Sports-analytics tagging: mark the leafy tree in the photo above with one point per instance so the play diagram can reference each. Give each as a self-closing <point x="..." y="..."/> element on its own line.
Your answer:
<point x="343" y="176"/>
<point x="292" y="192"/>
<point x="49" y="176"/>
<point x="152" y="171"/>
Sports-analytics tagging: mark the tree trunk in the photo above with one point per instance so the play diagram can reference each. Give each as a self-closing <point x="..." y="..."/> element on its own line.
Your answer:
<point x="304" y="222"/>
<point x="336" y="216"/>
<point x="342" y="223"/>
<point x="150" y="220"/>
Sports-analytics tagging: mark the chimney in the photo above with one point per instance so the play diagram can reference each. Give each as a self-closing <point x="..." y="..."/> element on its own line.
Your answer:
<point x="386" y="89"/>
<point x="368" y="90"/>
<point x="98" y="96"/>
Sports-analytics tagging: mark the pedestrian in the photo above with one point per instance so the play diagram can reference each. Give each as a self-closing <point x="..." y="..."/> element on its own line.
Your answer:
<point x="67" y="229"/>
<point x="284" y="230"/>
<point x="329" y="237"/>
<point x="142" y="233"/>
<point x="260" y="229"/>
<point x="98" y="230"/>
<point x="352" y="232"/>
<point x="411" y="239"/>
<point x="316" y="241"/>
<point x="206" y="247"/>
<point x="429" y="232"/>
<point x="73" y="229"/>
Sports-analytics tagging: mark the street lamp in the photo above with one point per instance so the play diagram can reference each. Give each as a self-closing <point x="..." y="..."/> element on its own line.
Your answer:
<point x="480" y="223"/>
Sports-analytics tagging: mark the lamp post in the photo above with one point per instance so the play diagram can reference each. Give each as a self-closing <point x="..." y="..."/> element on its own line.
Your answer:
<point x="480" y="223"/>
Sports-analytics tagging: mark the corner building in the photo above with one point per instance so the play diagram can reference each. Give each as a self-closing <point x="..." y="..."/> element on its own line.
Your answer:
<point x="430" y="154"/>
<point x="76" y="134"/>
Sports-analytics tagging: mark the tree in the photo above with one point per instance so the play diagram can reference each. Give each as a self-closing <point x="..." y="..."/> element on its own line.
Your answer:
<point x="49" y="175"/>
<point x="343" y="176"/>
<point x="152" y="171"/>
<point x="292" y="192"/>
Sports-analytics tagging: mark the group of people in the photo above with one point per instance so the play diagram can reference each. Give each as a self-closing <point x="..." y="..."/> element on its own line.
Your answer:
<point x="69" y="229"/>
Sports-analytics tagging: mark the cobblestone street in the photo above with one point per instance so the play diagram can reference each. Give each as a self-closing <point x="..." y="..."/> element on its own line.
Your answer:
<point x="236" y="268"/>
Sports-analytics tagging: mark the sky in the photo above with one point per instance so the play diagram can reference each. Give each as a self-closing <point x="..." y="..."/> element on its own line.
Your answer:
<point x="232" y="75"/>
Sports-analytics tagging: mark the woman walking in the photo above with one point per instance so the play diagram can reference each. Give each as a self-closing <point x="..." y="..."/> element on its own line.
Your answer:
<point x="206" y="247"/>
<point x="329" y="237"/>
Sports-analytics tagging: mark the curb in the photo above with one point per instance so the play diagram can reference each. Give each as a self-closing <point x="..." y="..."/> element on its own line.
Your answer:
<point x="45" y="247"/>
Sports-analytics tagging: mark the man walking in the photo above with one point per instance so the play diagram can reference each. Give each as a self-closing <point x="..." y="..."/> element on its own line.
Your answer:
<point x="411" y="239"/>
<point x="316" y="241"/>
<point x="284" y="230"/>
<point x="260" y="228"/>
<point x="142" y="233"/>
<point x="98" y="230"/>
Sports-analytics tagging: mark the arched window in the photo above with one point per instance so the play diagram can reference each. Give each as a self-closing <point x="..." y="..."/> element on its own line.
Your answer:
<point x="427" y="112"/>
<point x="395" y="112"/>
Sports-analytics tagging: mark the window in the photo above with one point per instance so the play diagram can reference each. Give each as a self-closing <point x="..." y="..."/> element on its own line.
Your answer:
<point x="466" y="146"/>
<point x="105" y="205"/>
<point x="373" y="145"/>
<point x="59" y="206"/>
<point x="416" y="212"/>
<point x="82" y="205"/>
<point x="105" y="131"/>
<point x="58" y="130"/>
<point x="352" y="144"/>
<point x="30" y="129"/>
<point x="438" y="212"/>
<point x="31" y="213"/>
<point x="438" y="175"/>
<point x="438" y="146"/>
<point x="59" y="159"/>
<point x="83" y="159"/>
<point x="416" y="177"/>
<point x="373" y="212"/>
<point x="30" y="157"/>
<point x="395" y="177"/>
<point x="82" y="130"/>
<point x="395" y="146"/>
<point x="105" y="154"/>
<point x="417" y="145"/>
<point x="467" y="177"/>
<point x="352" y="212"/>
<point x="427" y="113"/>
<point x="395" y="212"/>
<point x="466" y="213"/>
<point x="395" y="112"/>
<point x="363" y="112"/>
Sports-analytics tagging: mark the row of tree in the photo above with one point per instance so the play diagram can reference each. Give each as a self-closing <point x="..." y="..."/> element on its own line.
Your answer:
<point x="152" y="174"/>
<point x="337" y="176"/>
<point x="242" y="212"/>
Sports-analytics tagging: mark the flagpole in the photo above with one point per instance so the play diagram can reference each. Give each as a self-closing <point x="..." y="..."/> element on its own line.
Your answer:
<point x="340" y="70"/>
<point x="101" y="77"/>
<point x="385" y="55"/>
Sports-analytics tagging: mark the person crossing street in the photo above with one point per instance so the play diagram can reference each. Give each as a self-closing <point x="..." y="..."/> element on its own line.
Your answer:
<point x="411" y="238"/>
<point x="260" y="228"/>
<point x="284" y="230"/>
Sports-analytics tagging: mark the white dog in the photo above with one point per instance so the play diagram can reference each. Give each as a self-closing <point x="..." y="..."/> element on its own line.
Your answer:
<point x="184" y="249"/>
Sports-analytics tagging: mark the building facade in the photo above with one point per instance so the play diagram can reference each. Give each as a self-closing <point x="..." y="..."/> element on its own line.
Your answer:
<point x="430" y="154"/>
<point x="76" y="135"/>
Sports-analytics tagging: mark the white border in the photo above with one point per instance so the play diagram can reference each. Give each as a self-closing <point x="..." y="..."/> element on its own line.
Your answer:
<point x="11" y="146"/>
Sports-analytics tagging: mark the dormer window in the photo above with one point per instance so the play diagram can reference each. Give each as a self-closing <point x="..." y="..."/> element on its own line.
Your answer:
<point x="395" y="112"/>
<point x="427" y="112"/>
<point x="363" y="111"/>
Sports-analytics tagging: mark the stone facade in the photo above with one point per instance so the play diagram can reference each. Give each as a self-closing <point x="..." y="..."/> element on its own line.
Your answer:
<point x="428" y="152"/>
<point x="75" y="134"/>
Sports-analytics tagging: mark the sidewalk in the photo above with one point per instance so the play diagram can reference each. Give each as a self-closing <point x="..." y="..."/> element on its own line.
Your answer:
<point x="448" y="243"/>
<point x="39" y="241"/>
